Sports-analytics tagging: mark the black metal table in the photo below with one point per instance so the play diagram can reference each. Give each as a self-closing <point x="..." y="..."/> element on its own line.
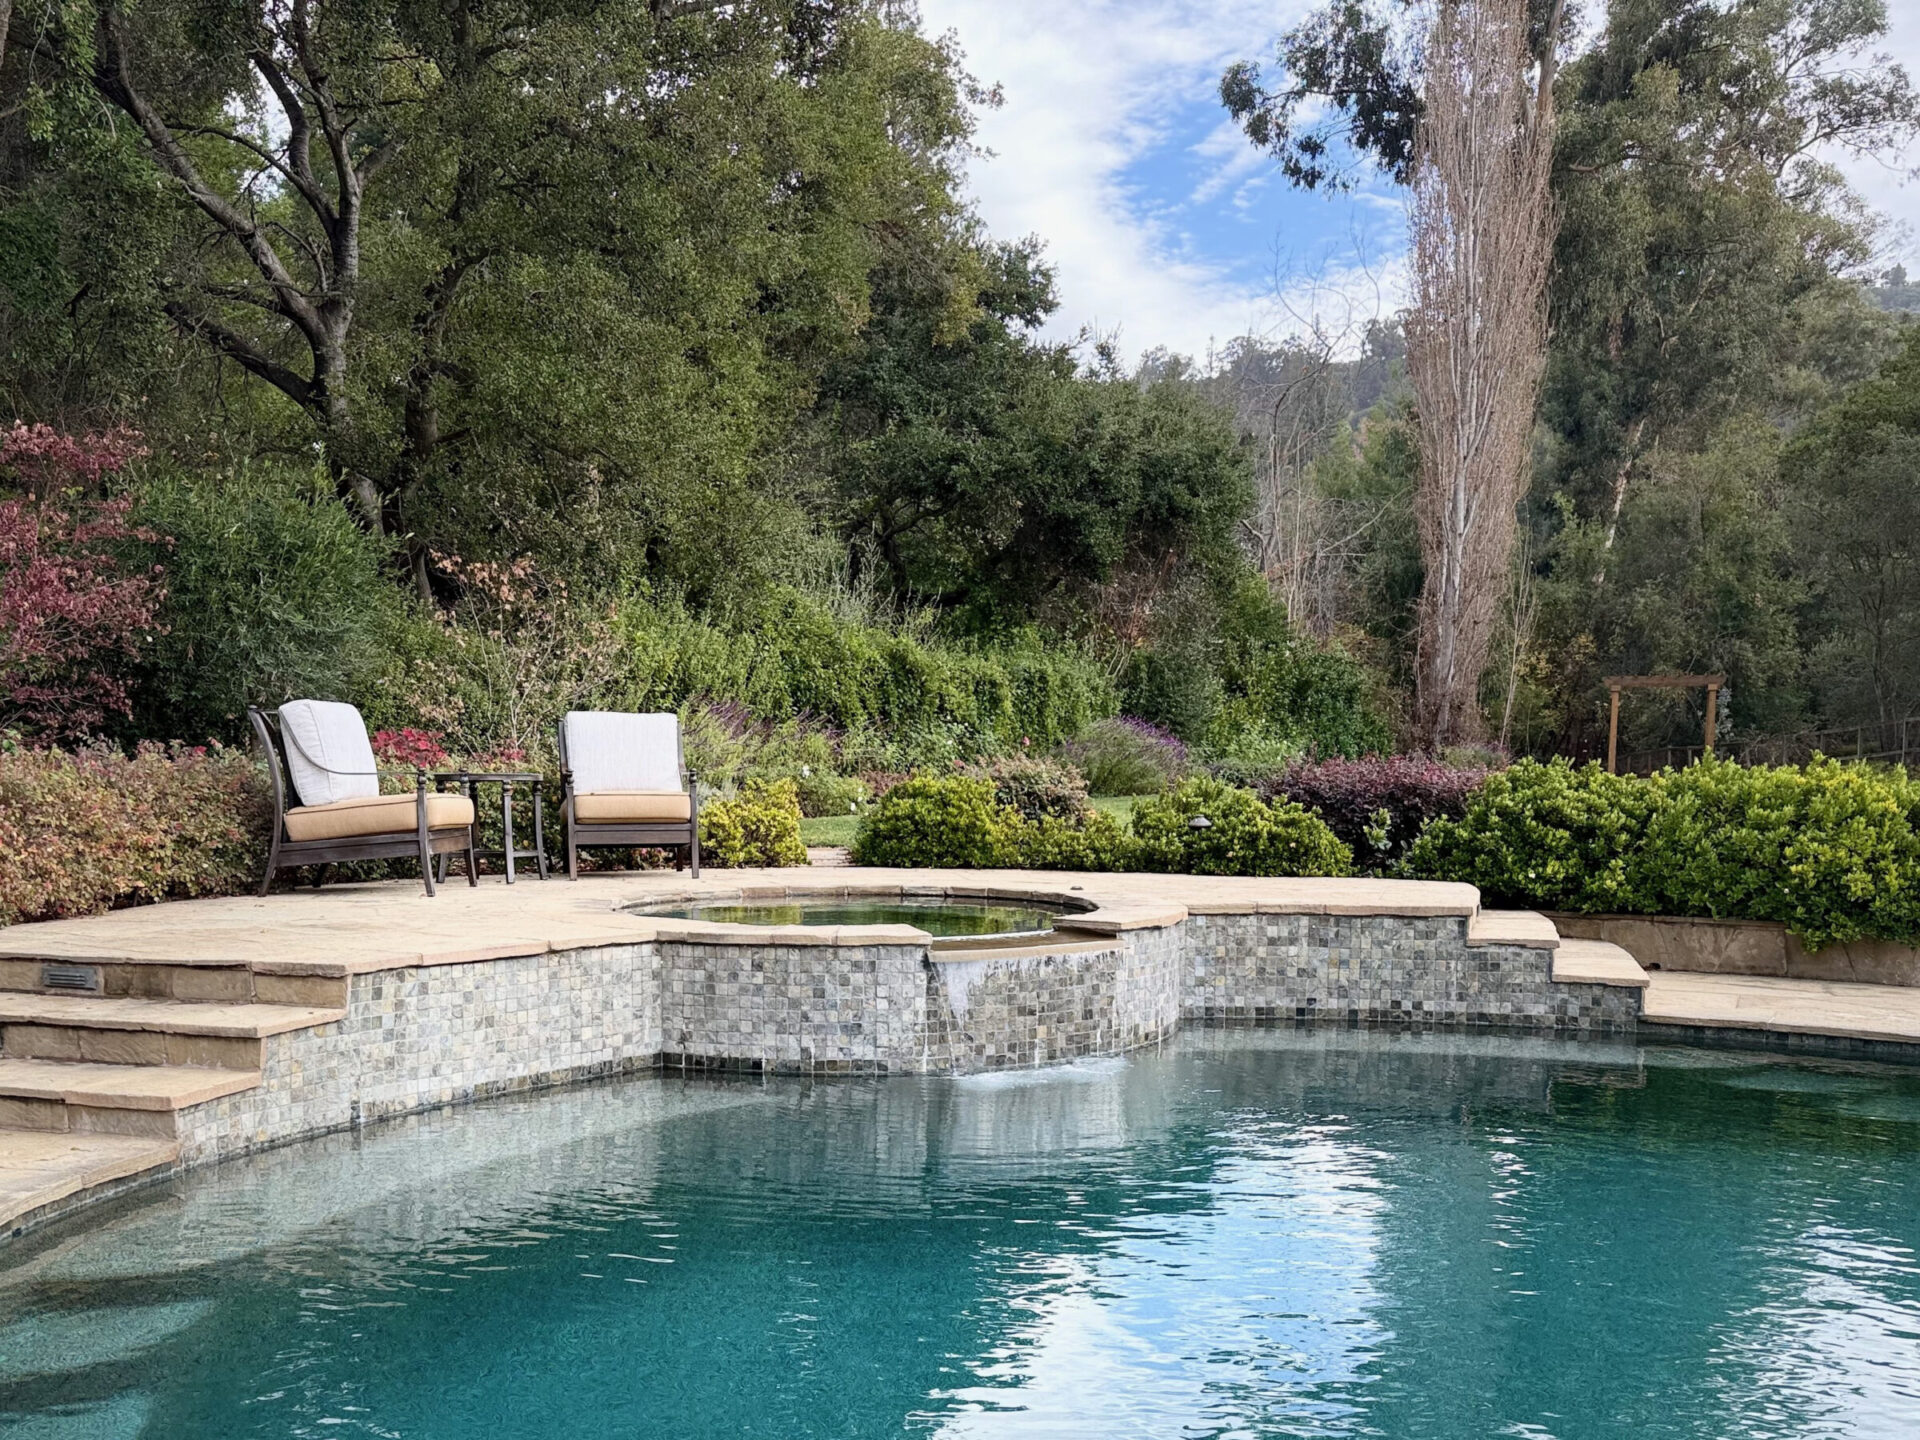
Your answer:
<point x="471" y="781"/>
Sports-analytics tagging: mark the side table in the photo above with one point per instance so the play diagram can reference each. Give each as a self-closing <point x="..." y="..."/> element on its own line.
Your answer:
<point x="471" y="781"/>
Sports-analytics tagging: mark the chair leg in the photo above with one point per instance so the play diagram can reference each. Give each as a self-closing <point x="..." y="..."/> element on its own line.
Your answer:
<point x="573" y="851"/>
<point x="693" y="853"/>
<point x="426" y="856"/>
<point x="473" y="870"/>
<point x="273" y="862"/>
<point x="321" y="874"/>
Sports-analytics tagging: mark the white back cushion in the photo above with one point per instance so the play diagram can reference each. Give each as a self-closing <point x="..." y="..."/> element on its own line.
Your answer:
<point x="323" y="739"/>
<point x="607" y="750"/>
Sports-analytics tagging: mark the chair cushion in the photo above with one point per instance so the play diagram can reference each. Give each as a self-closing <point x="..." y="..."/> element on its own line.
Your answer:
<point x="609" y="750"/>
<point x="376" y="815"/>
<point x="327" y="751"/>
<point x="632" y="807"/>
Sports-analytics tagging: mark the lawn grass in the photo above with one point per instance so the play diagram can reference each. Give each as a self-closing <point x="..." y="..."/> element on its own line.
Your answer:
<point x="829" y="829"/>
<point x="1120" y="807"/>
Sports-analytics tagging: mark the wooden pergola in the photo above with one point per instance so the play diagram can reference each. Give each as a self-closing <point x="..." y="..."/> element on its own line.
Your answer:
<point x="1617" y="683"/>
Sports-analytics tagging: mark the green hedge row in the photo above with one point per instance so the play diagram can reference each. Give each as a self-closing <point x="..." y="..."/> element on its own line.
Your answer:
<point x="961" y="822"/>
<point x="792" y="656"/>
<point x="1831" y="851"/>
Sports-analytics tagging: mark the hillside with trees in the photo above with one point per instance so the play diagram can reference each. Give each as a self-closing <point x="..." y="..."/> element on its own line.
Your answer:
<point x="470" y="362"/>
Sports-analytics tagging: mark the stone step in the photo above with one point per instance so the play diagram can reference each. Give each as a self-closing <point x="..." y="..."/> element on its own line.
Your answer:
<point x="75" y="1096"/>
<point x="146" y="1032"/>
<point x="216" y="983"/>
<point x="1596" y="962"/>
<point x="40" y="1167"/>
<point x="1526" y="928"/>
<point x="174" y="1017"/>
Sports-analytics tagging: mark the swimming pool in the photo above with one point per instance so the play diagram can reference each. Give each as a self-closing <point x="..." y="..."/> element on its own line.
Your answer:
<point x="1249" y="1233"/>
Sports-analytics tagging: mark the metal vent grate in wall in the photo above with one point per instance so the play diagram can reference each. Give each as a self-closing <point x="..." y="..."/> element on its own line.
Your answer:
<point x="70" y="977"/>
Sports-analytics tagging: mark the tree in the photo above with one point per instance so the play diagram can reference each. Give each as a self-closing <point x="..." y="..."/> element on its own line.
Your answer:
<point x="474" y="251"/>
<point x="982" y="471"/>
<point x="1482" y="236"/>
<point x="1856" y="519"/>
<point x="1701" y="220"/>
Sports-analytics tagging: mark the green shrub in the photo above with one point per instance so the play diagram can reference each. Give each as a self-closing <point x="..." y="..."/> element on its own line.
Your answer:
<point x="272" y="592"/>
<point x="957" y="822"/>
<point x="1549" y="834"/>
<point x="1095" y="842"/>
<point x="825" y="793"/>
<point x="758" y="827"/>
<point x="1244" y="835"/>
<point x="1122" y="755"/>
<point x="1036" y="788"/>
<point x="790" y="655"/>
<point x="87" y="831"/>
<point x="936" y="822"/>
<point x="1832" y="851"/>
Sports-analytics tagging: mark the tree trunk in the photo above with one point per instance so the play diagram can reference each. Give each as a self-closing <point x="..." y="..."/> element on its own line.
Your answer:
<point x="1482" y="227"/>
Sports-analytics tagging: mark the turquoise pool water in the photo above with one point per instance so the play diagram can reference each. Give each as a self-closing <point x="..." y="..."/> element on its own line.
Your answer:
<point x="1251" y="1234"/>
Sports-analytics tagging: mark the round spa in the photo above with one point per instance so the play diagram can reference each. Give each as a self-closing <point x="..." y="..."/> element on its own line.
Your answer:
<point x="943" y="917"/>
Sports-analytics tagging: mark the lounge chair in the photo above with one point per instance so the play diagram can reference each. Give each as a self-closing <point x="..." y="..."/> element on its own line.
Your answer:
<point x="624" y="781"/>
<point x="321" y="747"/>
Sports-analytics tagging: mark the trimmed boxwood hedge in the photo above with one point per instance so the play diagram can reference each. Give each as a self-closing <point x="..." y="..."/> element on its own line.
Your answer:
<point x="1831" y="850"/>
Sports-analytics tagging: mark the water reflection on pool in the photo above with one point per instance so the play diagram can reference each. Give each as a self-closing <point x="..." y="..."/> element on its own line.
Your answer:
<point x="1250" y="1234"/>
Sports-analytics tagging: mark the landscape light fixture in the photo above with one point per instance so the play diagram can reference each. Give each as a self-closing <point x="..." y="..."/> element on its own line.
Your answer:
<point x="1200" y="822"/>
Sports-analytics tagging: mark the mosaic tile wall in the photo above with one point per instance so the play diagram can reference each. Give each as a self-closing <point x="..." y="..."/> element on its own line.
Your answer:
<point x="1252" y="969"/>
<point x="439" y="1035"/>
<point x="792" y="1009"/>
<point x="424" y="1037"/>
<point x="1035" y="1010"/>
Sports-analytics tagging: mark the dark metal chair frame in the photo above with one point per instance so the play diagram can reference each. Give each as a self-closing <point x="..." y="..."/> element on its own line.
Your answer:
<point x="286" y="853"/>
<point x="680" y="836"/>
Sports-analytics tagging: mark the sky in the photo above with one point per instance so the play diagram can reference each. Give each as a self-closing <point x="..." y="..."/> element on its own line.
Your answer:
<point x="1165" y="227"/>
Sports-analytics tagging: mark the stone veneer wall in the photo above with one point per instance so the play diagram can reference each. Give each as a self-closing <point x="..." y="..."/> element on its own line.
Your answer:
<point x="428" y="1036"/>
<point x="1382" y="968"/>
<point x="437" y="1035"/>
<point x="990" y="1013"/>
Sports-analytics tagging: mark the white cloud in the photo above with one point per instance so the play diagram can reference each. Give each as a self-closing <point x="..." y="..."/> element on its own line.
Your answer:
<point x="1091" y="87"/>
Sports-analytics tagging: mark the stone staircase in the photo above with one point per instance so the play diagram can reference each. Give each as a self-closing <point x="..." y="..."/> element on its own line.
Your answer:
<point x="98" y="1063"/>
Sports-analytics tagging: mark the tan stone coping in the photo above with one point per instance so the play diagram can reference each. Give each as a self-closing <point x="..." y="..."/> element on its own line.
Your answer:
<point x="358" y="929"/>
<point x="1527" y="929"/>
<point x="1793" y="1007"/>
<point x="1596" y="962"/>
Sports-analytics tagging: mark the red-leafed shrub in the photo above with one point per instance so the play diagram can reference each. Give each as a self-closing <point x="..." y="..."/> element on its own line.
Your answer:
<point x="409" y="747"/>
<point x="92" y="829"/>
<point x="72" y="613"/>
<point x="1377" y="804"/>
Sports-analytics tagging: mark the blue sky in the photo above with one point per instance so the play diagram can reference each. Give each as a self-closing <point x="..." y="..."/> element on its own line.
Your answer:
<point x="1165" y="227"/>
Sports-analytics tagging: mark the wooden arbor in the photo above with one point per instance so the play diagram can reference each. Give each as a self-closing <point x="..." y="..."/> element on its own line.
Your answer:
<point x="1617" y="683"/>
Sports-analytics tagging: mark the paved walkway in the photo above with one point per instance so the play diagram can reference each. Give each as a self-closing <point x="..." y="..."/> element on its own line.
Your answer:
<point x="355" y="929"/>
<point x="1786" y="1007"/>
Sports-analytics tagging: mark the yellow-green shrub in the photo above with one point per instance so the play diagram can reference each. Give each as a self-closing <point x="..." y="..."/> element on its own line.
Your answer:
<point x="760" y="827"/>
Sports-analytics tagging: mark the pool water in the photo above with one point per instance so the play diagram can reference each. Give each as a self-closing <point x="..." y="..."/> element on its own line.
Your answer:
<point x="1250" y="1234"/>
<point x="937" y="917"/>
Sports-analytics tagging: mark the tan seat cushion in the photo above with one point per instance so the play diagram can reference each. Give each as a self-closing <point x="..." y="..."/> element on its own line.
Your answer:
<point x="632" y="807"/>
<point x="376" y="815"/>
